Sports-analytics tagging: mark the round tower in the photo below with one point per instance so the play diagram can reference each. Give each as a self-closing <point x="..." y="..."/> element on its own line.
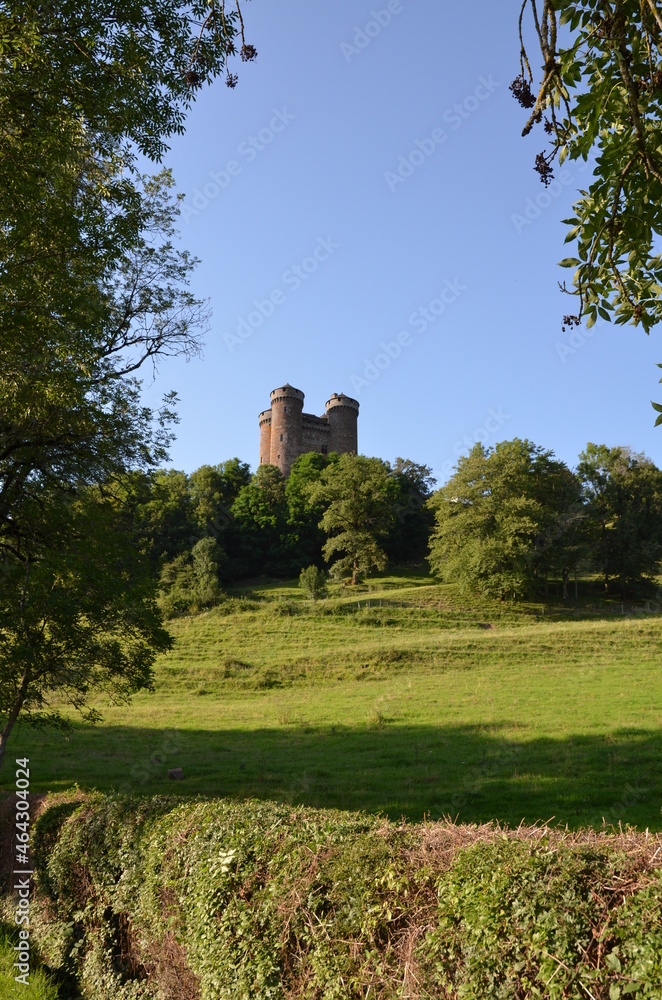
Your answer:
<point x="342" y="413"/>
<point x="286" y="427"/>
<point x="265" y="437"/>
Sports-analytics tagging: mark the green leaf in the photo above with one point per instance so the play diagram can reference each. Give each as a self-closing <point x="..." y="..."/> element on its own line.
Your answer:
<point x="613" y="962"/>
<point x="569" y="262"/>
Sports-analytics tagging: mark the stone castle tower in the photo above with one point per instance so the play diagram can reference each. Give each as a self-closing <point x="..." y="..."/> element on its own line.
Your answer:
<point x="287" y="432"/>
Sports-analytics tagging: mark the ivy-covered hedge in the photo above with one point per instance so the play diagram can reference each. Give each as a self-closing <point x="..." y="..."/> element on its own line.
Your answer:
<point x="260" y="901"/>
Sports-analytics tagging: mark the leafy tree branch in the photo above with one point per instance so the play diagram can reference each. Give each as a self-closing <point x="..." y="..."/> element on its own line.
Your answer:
<point x="600" y="95"/>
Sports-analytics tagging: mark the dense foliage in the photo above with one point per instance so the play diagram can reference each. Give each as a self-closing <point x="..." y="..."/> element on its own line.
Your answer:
<point x="598" y="95"/>
<point x="344" y="509"/>
<point x="235" y="900"/>
<point x="511" y="519"/>
<point x="506" y="519"/>
<point x="91" y="289"/>
<point x="513" y="516"/>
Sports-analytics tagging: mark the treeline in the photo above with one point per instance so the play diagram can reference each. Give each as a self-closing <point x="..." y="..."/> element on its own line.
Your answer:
<point x="511" y="519"/>
<point x="514" y="516"/>
<point x="220" y="524"/>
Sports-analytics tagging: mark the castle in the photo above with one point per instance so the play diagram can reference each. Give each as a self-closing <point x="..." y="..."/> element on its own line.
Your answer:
<point x="287" y="432"/>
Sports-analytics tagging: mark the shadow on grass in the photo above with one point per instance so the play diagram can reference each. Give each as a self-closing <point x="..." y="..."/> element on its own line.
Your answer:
<point x="473" y="773"/>
<point x="61" y="982"/>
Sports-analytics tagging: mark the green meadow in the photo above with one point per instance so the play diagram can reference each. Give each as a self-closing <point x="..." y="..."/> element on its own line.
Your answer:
<point x="400" y="697"/>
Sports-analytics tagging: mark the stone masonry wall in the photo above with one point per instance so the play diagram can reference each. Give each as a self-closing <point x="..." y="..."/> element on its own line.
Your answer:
<point x="287" y="432"/>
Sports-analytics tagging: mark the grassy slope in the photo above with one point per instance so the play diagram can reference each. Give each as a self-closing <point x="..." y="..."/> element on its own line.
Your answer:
<point x="411" y="708"/>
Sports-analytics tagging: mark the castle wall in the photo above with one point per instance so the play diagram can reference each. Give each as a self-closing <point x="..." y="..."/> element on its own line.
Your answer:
<point x="287" y="432"/>
<point x="265" y="437"/>
<point x="315" y="434"/>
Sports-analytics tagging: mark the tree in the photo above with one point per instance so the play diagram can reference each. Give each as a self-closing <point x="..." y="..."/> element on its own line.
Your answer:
<point x="501" y="519"/>
<point x="91" y="289"/>
<point x="358" y="513"/>
<point x="191" y="581"/>
<point x="305" y="538"/>
<point x="260" y="513"/>
<point x="85" y="87"/>
<point x="118" y="74"/>
<point x="623" y="493"/>
<point x="90" y="284"/>
<point x="77" y="617"/>
<point x="207" y="558"/>
<point x="561" y="546"/>
<point x="213" y="489"/>
<point x="71" y="426"/>
<point x="411" y="485"/>
<point x="600" y="95"/>
<point x="169" y="526"/>
<point x="69" y="400"/>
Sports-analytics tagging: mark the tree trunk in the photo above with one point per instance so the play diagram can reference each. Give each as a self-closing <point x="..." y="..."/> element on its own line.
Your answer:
<point x="13" y="715"/>
<point x="576" y="590"/>
<point x="355" y="573"/>
<point x="566" y="577"/>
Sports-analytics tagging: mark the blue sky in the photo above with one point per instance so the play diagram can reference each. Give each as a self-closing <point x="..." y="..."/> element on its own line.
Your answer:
<point x="368" y="221"/>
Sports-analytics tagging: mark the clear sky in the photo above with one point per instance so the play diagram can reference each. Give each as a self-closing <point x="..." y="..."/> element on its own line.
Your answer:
<point x="366" y="184"/>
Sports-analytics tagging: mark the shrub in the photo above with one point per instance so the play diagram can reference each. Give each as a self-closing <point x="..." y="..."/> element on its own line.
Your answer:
<point x="190" y="583"/>
<point x="250" y="900"/>
<point x="313" y="582"/>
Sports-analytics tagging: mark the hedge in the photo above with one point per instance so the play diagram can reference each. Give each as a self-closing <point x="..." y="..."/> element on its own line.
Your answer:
<point x="251" y="900"/>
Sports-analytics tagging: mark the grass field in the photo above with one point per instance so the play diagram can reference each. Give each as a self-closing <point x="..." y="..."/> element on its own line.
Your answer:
<point x="401" y="698"/>
<point x="38" y="986"/>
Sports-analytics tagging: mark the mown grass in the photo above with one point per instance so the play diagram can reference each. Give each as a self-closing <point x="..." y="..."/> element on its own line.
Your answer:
<point x="422" y="703"/>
